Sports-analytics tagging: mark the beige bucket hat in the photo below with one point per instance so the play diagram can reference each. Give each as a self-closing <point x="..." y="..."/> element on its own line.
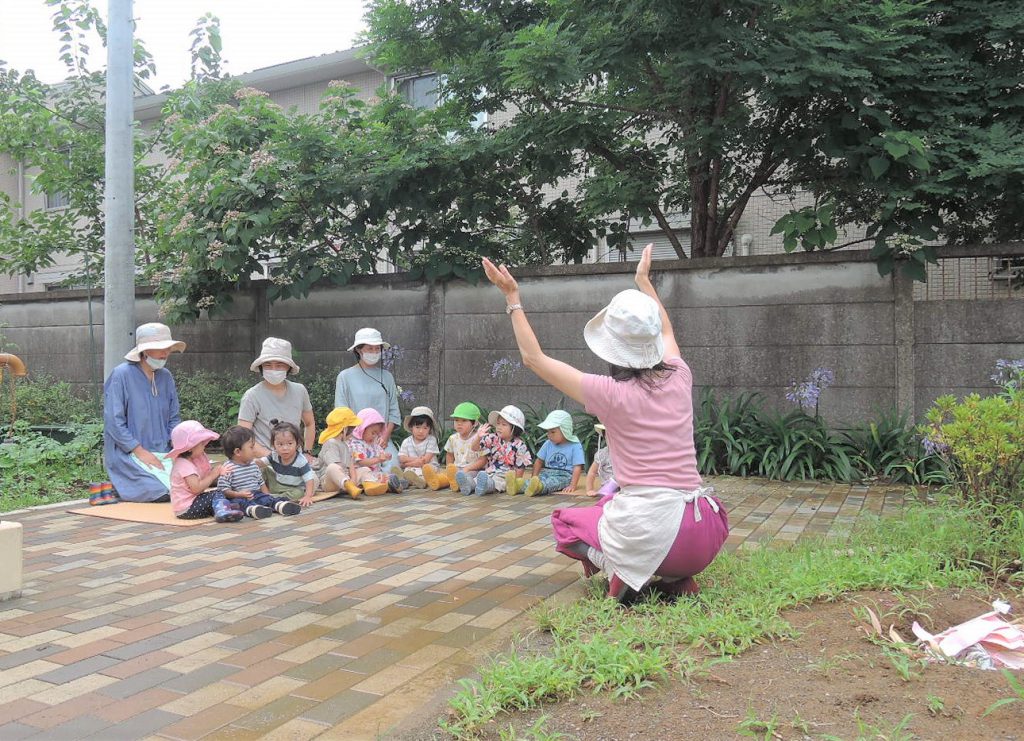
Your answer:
<point x="275" y="348"/>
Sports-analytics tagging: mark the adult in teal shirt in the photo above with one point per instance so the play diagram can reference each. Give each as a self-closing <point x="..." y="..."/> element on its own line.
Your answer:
<point x="366" y="385"/>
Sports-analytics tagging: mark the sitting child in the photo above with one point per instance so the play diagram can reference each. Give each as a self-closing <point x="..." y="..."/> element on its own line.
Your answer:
<point x="368" y="453"/>
<point x="192" y="475"/>
<point x="420" y="448"/>
<point x="505" y="451"/>
<point x="338" y="470"/>
<point x="559" y="461"/>
<point x="458" y="450"/>
<point x="293" y="476"/>
<point x="243" y="479"/>
<point x="601" y="476"/>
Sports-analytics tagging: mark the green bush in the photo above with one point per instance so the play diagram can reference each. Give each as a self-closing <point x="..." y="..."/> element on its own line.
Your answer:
<point x="43" y="400"/>
<point x="891" y="449"/>
<point x="740" y="438"/>
<point x="212" y="398"/>
<point x="982" y="438"/>
<point x="35" y="469"/>
<point x="321" y="394"/>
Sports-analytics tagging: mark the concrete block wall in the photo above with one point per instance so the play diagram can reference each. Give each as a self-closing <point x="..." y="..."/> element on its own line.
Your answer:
<point x="745" y="324"/>
<point x="957" y="344"/>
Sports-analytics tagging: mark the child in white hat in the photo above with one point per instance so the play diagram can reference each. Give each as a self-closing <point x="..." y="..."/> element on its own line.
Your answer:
<point x="560" y="459"/>
<point x="601" y="476"/>
<point x="505" y="450"/>
<point x="420" y="448"/>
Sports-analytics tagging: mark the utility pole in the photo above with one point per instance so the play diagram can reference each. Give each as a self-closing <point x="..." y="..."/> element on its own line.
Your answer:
<point x="119" y="194"/>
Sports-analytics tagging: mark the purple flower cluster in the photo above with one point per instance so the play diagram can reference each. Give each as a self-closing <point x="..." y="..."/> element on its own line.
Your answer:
<point x="392" y="355"/>
<point x="505" y="369"/>
<point x="806" y="393"/>
<point x="408" y="397"/>
<point x="934" y="447"/>
<point x="1009" y="374"/>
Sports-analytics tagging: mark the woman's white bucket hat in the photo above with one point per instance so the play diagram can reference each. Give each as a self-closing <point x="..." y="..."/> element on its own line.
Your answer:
<point x="627" y="332"/>
<point x="369" y="336"/>
<point x="153" y="336"/>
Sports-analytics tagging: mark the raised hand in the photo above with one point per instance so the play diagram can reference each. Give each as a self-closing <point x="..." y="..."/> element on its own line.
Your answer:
<point x="643" y="268"/>
<point x="501" y="277"/>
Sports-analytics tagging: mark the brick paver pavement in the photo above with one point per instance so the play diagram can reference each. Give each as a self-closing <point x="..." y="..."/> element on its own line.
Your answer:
<point x="338" y="623"/>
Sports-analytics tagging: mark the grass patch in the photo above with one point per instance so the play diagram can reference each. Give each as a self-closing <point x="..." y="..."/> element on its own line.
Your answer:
<point x="598" y="646"/>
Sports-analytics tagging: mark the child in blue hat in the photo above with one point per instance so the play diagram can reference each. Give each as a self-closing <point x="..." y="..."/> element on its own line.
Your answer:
<point x="559" y="462"/>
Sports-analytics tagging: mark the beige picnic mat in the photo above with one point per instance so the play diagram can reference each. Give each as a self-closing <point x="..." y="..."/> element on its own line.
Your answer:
<point x="156" y="514"/>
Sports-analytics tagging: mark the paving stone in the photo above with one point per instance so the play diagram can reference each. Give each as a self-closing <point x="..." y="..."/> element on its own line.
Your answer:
<point x="78" y="669"/>
<point x="199" y="678"/>
<point x="340" y="706"/>
<point x="17" y="731"/>
<point x="139" y="682"/>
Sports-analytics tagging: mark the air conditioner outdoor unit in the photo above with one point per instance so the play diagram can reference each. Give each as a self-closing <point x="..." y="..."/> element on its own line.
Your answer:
<point x="1007" y="269"/>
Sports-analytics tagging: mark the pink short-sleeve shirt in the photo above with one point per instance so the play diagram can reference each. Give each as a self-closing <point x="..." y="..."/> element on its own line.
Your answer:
<point x="650" y="433"/>
<point x="181" y="494"/>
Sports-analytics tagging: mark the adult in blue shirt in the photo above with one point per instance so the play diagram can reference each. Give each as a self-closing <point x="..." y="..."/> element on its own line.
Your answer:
<point x="140" y="408"/>
<point x="366" y="385"/>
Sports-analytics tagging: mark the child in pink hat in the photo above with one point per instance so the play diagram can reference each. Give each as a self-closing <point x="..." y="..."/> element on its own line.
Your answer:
<point x="369" y="453"/>
<point x="192" y="475"/>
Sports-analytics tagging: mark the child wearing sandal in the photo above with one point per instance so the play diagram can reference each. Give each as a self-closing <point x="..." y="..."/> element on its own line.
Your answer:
<point x="560" y="459"/>
<point x="369" y="453"/>
<point x="293" y="476"/>
<point x="338" y="471"/>
<point x="243" y="480"/>
<point x="420" y="448"/>
<point x="506" y="454"/>
<point x="458" y="450"/>
<point x="192" y="475"/>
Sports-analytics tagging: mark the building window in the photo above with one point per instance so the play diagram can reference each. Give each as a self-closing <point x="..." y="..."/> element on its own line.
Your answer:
<point x="58" y="199"/>
<point x="420" y="92"/>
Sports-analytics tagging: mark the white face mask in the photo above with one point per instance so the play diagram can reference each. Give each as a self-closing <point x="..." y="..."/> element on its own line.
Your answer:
<point x="274" y="377"/>
<point x="371" y="358"/>
<point x="156" y="363"/>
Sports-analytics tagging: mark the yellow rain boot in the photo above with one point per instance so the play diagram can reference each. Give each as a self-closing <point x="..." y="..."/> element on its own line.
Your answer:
<point x="434" y="479"/>
<point x="450" y="472"/>
<point x="374" y="488"/>
<point x="352" y="489"/>
<point x="513" y="485"/>
<point x="534" y="487"/>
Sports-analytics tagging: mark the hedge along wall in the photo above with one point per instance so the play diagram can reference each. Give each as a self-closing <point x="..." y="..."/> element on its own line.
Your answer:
<point x="745" y="324"/>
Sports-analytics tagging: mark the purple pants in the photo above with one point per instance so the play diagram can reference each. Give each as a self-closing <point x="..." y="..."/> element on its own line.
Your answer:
<point x="695" y="546"/>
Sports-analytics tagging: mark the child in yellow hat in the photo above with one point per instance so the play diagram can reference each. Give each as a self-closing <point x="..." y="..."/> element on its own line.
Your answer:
<point x="339" y="471"/>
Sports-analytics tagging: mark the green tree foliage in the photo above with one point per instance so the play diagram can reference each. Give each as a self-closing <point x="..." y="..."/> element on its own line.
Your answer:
<point x="903" y="116"/>
<point x="57" y="133"/>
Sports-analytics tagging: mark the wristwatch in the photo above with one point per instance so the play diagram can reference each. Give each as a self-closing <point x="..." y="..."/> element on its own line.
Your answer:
<point x="512" y="307"/>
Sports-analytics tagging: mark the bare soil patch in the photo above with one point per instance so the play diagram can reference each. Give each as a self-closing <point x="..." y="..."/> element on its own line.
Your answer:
<point x="831" y="681"/>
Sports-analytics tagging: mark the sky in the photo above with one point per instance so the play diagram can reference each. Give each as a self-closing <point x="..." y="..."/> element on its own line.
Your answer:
<point x="256" y="33"/>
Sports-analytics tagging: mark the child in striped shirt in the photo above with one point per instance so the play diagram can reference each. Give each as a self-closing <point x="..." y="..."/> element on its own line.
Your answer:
<point x="293" y="477"/>
<point x="242" y="478"/>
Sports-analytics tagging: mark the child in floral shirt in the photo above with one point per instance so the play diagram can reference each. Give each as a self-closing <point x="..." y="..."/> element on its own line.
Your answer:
<point x="369" y="453"/>
<point x="504" y="449"/>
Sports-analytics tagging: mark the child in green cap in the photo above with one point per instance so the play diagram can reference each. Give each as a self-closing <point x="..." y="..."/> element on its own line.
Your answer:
<point x="459" y="455"/>
<point x="559" y="462"/>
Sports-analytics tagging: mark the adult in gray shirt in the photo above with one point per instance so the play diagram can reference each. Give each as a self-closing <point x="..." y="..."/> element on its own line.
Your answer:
<point x="275" y="397"/>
